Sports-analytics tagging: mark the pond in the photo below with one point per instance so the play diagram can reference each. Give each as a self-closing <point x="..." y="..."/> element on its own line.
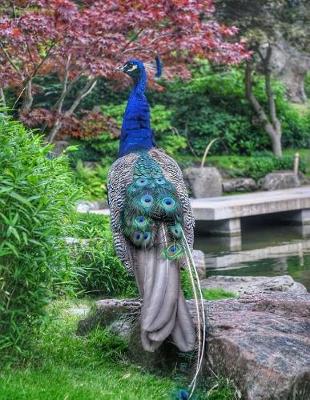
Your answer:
<point x="267" y="248"/>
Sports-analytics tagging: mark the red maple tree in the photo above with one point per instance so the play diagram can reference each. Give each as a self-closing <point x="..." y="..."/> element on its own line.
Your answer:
<point x="75" y="40"/>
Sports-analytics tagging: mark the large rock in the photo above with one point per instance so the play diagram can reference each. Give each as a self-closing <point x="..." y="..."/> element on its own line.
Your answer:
<point x="204" y="182"/>
<point x="280" y="180"/>
<point x="261" y="342"/>
<point x="254" y="284"/>
<point x="239" y="185"/>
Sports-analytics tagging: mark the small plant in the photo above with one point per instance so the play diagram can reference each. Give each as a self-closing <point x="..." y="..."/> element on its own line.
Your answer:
<point x="98" y="270"/>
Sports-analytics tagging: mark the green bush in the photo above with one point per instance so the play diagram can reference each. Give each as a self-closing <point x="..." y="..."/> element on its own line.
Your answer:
<point x="256" y="166"/>
<point x="36" y="201"/>
<point x="98" y="269"/>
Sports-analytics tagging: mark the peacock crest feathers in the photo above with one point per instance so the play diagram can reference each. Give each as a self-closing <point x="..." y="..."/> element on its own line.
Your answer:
<point x="150" y="199"/>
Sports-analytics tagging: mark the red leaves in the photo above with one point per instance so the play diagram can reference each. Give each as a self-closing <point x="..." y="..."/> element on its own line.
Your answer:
<point x="102" y="33"/>
<point x="91" y="124"/>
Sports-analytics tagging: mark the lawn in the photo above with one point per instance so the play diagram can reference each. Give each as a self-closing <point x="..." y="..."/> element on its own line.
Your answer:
<point x="64" y="366"/>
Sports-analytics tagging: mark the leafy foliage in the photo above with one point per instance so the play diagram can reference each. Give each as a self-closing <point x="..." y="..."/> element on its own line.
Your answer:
<point x="92" y="180"/>
<point x="36" y="201"/>
<point x="98" y="270"/>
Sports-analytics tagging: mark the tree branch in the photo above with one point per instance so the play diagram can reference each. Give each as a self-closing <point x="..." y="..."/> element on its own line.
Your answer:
<point x="65" y="86"/>
<point x="30" y="77"/>
<point x="9" y="59"/>
<point x="273" y="130"/>
<point x="28" y="99"/>
<point x="3" y="101"/>
<point x="81" y="95"/>
<point x="250" y="95"/>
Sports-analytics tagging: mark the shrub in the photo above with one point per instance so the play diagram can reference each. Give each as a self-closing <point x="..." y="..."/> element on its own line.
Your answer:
<point x="36" y="200"/>
<point x="98" y="269"/>
<point x="93" y="181"/>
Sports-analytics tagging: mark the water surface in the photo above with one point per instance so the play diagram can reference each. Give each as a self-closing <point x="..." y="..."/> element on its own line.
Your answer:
<point x="267" y="248"/>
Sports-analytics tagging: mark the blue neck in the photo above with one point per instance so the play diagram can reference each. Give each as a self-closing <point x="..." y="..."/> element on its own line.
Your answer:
<point x="136" y="134"/>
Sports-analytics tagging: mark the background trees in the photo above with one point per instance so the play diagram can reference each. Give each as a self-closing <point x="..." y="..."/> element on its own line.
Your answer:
<point x="71" y="44"/>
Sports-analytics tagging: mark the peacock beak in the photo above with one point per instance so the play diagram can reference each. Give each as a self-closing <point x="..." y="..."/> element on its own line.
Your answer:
<point x="120" y="68"/>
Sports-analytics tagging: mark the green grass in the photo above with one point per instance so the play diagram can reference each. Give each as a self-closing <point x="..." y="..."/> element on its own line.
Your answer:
<point x="217" y="294"/>
<point x="208" y="294"/>
<point x="63" y="366"/>
<point x="66" y="366"/>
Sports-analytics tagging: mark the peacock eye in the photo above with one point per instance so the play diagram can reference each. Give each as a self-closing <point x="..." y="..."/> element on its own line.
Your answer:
<point x="131" y="67"/>
<point x="168" y="202"/>
<point x="147" y="200"/>
<point x="142" y="182"/>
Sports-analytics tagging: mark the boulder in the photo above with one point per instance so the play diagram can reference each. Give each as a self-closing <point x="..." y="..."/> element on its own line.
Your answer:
<point x="279" y="180"/>
<point x="204" y="182"/>
<point x="261" y="342"/>
<point x="254" y="284"/>
<point x="239" y="185"/>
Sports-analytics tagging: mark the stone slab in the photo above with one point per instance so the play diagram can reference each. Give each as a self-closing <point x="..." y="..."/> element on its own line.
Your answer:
<point x="254" y="284"/>
<point x="250" y="204"/>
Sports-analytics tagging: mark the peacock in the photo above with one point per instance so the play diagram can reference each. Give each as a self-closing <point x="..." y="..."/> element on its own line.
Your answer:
<point x="153" y="227"/>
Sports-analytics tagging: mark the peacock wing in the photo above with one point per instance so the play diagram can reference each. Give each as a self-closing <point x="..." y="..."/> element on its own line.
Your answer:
<point x="120" y="176"/>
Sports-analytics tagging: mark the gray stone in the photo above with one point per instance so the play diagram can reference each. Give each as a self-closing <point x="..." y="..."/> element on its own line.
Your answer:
<point x="86" y="206"/>
<point x="254" y="284"/>
<point x="204" y="182"/>
<point x="239" y="185"/>
<point x="280" y="180"/>
<point x="261" y="341"/>
<point x="249" y="204"/>
<point x="199" y="258"/>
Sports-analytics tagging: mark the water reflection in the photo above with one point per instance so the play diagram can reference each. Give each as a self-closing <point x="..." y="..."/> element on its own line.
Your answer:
<point x="266" y="250"/>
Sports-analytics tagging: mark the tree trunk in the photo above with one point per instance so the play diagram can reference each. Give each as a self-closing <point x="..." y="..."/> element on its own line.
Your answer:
<point x="28" y="98"/>
<point x="275" y="142"/>
<point x="277" y="146"/>
<point x="268" y="121"/>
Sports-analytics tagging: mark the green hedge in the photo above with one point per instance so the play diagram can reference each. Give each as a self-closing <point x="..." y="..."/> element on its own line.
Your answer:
<point x="36" y="201"/>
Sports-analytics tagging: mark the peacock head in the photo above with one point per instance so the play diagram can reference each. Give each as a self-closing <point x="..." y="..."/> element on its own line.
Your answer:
<point x="133" y="68"/>
<point x="136" y="69"/>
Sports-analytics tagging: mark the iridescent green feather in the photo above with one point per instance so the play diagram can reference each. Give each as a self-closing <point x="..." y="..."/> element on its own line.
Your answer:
<point x="152" y="199"/>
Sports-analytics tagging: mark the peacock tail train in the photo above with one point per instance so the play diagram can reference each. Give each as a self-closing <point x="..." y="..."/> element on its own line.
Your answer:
<point x="149" y="219"/>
